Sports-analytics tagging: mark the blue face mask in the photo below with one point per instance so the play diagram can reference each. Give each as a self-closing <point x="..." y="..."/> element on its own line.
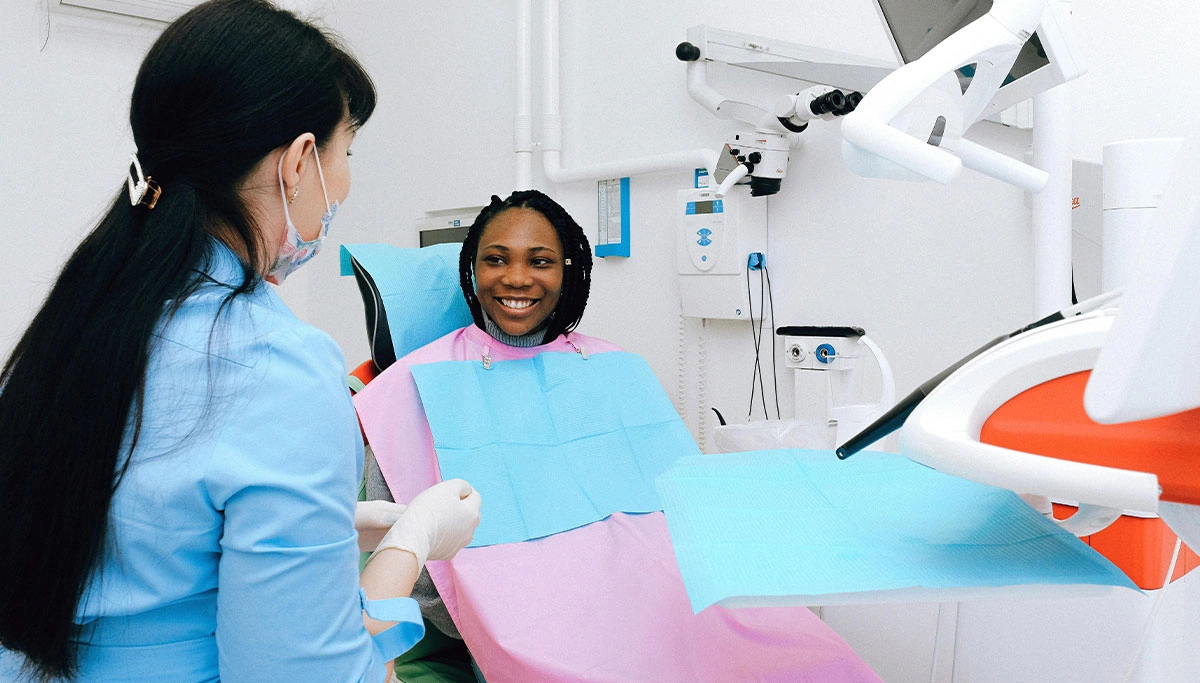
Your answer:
<point x="295" y="250"/>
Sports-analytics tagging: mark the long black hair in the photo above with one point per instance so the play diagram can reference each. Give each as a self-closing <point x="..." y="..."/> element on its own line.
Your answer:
<point x="577" y="259"/>
<point x="222" y="87"/>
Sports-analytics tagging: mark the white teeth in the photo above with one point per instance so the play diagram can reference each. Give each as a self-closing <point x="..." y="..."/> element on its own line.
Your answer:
<point x="517" y="303"/>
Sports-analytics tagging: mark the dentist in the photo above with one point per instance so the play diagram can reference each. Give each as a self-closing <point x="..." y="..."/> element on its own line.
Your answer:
<point x="180" y="456"/>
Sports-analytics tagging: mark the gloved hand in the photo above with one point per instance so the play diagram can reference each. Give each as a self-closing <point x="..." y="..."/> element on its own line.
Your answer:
<point x="438" y="523"/>
<point x="373" y="519"/>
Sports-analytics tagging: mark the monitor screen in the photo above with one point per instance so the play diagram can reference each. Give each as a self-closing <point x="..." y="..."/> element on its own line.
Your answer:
<point x="443" y="235"/>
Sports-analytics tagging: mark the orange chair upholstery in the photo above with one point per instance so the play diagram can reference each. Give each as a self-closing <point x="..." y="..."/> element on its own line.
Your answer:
<point x="1049" y="419"/>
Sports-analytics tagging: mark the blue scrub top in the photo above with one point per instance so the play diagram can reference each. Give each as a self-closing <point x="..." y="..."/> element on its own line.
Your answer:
<point x="232" y="554"/>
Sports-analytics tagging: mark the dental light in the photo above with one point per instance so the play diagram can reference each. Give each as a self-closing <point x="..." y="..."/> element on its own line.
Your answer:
<point x="910" y="124"/>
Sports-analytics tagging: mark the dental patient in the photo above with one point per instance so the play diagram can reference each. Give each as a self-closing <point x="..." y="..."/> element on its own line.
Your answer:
<point x="525" y="271"/>
<point x="599" y="602"/>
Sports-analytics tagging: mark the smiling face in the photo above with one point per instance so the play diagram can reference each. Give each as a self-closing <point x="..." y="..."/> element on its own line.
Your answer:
<point x="519" y="270"/>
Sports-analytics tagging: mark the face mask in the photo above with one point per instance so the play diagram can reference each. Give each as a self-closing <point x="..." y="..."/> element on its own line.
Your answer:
<point x="295" y="250"/>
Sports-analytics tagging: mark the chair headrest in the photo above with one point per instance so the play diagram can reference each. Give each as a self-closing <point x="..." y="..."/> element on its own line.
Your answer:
<point x="411" y="296"/>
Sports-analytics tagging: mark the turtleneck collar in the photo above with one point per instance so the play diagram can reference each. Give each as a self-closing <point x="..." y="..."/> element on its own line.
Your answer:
<point x="535" y="338"/>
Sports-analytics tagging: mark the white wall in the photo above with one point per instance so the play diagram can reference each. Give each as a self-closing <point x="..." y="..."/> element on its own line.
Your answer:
<point x="843" y="250"/>
<point x="929" y="271"/>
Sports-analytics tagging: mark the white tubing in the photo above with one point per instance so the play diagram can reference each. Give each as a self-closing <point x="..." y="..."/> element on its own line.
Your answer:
<point x="732" y="179"/>
<point x="1137" y="652"/>
<point x="523" y="124"/>
<point x="552" y="127"/>
<point x="887" y="392"/>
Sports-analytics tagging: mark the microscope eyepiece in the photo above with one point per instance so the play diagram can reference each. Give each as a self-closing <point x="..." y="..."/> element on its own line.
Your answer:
<point x="829" y="102"/>
<point x="852" y="100"/>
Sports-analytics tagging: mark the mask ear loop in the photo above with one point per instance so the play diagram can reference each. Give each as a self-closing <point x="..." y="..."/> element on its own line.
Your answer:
<point x="322" y="175"/>
<point x="283" y="191"/>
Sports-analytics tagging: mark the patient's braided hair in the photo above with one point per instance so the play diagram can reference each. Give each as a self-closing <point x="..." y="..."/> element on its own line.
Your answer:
<point x="577" y="276"/>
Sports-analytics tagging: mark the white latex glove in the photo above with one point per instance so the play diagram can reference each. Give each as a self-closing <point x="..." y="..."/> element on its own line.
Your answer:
<point x="438" y="523"/>
<point x="373" y="519"/>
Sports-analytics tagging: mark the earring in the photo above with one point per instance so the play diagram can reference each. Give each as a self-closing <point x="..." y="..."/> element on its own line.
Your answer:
<point x="292" y="196"/>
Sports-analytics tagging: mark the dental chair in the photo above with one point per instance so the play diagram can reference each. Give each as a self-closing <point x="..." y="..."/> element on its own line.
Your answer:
<point x="1014" y="417"/>
<point x="420" y="288"/>
<point x="424" y="294"/>
<point x="604" y="601"/>
<point x="1101" y="410"/>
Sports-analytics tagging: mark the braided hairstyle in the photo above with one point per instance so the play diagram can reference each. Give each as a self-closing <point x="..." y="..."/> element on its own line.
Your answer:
<point x="577" y="276"/>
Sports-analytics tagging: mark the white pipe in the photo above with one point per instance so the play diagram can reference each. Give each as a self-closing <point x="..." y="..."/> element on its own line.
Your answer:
<point x="552" y="127"/>
<point x="699" y="89"/>
<point x="552" y="119"/>
<point x="1052" y="206"/>
<point x="691" y="159"/>
<point x="523" y="125"/>
<point x="718" y="104"/>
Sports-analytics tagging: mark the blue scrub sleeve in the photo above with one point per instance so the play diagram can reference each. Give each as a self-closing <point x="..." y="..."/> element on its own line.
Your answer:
<point x="285" y="476"/>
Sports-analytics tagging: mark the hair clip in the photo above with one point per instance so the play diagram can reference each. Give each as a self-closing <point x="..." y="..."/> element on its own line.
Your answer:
<point x="142" y="189"/>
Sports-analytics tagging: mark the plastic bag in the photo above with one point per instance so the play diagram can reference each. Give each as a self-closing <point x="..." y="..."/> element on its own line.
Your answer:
<point x="769" y="434"/>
